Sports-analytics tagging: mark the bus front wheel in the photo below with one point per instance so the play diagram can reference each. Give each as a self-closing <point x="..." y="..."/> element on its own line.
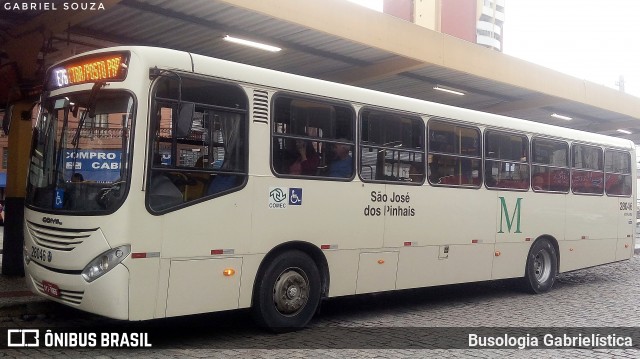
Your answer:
<point x="287" y="292"/>
<point x="542" y="267"/>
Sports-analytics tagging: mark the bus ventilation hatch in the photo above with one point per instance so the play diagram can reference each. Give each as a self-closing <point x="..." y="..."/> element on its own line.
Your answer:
<point x="260" y="106"/>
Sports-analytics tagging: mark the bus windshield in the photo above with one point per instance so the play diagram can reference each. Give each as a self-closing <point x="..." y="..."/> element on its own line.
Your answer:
<point x="79" y="152"/>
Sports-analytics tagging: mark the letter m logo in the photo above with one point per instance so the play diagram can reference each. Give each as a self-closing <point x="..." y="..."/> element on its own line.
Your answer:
<point x="507" y="218"/>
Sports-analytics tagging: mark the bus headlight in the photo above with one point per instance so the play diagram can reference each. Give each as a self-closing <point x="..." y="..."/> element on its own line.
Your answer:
<point x="105" y="262"/>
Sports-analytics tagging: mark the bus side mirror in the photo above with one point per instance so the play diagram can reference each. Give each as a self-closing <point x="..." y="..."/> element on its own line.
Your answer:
<point x="185" y="118"/>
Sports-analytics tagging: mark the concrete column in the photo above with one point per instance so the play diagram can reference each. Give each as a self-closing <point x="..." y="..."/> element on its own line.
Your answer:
<point x="17" y="167"/>
<point x="25" y="53"/>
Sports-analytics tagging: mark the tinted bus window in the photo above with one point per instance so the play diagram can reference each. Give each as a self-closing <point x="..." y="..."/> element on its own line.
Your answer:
<point x="199" y="143"/>
<point x="312" y="138"/>
<point x="392" y="147"/>
<point x="587" y="175"/>
<point x="454" y="155"/>
<point x="550" y="165"/>
<point x="506" y="157"/>
<point x="617" y="167"/>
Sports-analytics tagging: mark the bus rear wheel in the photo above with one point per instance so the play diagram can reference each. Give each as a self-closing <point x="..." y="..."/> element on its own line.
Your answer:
<point x="542" y="267"/>
<point x="287" y="292"/>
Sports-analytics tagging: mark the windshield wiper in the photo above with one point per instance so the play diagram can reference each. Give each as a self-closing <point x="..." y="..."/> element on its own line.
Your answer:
<point x="89" y="110"/>
<point x="64" y="105"/>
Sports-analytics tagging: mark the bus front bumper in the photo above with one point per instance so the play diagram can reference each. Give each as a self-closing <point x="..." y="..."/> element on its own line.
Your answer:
<point x="107" y="296"/>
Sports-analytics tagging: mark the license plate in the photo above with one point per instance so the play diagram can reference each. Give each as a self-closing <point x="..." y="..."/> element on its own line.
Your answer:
<point x="51" y="289"/>
<point x="42" y="255"/>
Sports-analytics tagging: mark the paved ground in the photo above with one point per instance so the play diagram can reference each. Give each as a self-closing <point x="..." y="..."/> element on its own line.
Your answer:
<point x="394" y="325"/>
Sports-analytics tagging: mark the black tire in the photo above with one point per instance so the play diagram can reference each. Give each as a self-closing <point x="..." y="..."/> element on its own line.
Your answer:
<point x="287" y="292"/>
<point x="542" y="267"/>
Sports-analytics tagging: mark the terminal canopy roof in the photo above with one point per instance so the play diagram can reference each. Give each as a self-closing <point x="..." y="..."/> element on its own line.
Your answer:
<point x="333" y="40"/>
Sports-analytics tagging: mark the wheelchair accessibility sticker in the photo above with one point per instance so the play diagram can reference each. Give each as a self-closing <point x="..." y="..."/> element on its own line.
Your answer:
<point x="281" y="197"/>
<point x="295" y="196"/>
<point x="59" y="200"/>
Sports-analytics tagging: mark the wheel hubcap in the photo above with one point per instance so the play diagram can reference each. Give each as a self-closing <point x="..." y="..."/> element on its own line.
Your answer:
<point x="291" y="291"/>
<point x="542" y="266"/>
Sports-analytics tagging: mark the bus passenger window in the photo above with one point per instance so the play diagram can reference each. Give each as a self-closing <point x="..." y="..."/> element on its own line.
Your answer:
<point x="416" y="173"/>
<point x="618" y="179"/>
<point x="550" y="165"/>
<point x="307" y="138"/>
<point x="506" y="161"/>
<point x="222" y="182"/>
<point x="454" y="155"/>
<point x="207" y="158"/>
<point x="163" y="193"/>
<point x="587" y="173"/>
<point x="392" y="147"/>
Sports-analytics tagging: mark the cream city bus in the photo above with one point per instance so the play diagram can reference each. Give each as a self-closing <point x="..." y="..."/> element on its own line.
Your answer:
<point x="164" y="183"/>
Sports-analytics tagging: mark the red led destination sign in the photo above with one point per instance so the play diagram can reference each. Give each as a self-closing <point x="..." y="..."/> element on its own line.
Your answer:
<point x="100" y="67"/>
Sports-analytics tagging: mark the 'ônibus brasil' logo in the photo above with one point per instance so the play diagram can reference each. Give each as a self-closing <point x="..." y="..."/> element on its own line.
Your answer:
<point x="507" y="218"/>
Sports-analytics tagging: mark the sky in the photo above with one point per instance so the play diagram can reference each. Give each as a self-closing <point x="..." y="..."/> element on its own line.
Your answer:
<point x="589" y="39"/>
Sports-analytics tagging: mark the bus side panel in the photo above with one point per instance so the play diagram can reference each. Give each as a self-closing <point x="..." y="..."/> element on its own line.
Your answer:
<point x="624" y="249"/>
<point x="208" y="233"/>
<point x="628" y="217"/>
<point x="440" y="216"/>
<point x="163" y="288"/>
<point x="343" y="271"/>
<point x="452" y="220"/>
<point x="250" y="265"/>
<point x="444" y="216"/>
<point x="222" y="223"/>
<point x="199" y="286"/>
<point x="626" y="228"/>
<point x="142" y="301"/>
<point x="591" y="232"/>
<point x="579" y="254"/>
<point x="522" y="217"/>
<point x="511" y="261"/>
<point x="329" y="213"/>
<point x="377" y="272"/>
<point x="593" y="217"/>
<point x="432" y="265"/>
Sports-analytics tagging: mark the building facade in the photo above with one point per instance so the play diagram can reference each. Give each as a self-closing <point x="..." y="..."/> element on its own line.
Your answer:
<point x="477" y="21"/>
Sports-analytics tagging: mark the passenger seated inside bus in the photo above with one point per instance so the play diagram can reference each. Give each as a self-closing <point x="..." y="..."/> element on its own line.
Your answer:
<point x="306" y="159"/>
<point x="342" y="164"/>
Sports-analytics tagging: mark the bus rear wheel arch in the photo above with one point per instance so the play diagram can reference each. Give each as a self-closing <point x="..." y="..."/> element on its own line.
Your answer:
<point x="287" y="291"/>
<point x="541" y="266"/>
